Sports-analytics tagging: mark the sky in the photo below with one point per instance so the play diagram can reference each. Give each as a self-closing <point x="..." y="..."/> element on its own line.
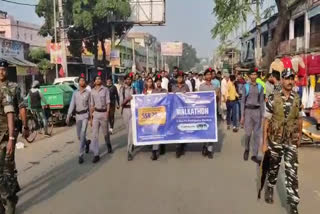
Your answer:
<point x="187" y="21"/>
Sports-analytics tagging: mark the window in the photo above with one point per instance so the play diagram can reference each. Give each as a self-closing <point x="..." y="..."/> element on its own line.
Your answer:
<point x="299" y="27"/>
<point x="2" y="33"/>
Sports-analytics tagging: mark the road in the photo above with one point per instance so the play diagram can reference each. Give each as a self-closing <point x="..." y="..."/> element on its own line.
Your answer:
<point x="53" y="182"/>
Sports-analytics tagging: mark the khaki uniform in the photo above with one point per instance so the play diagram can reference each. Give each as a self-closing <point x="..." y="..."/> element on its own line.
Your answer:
<point x="8" y="183"/>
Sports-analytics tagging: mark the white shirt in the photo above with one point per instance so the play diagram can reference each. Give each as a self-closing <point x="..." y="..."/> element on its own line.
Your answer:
<point x="188" y="82"/>
<point x="165" y="83"/>
<point x="198" y="83"/>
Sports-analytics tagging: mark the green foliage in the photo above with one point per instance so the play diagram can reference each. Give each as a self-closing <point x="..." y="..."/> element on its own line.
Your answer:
<point x="44" y="66"/>
<point x="37" y="54"/>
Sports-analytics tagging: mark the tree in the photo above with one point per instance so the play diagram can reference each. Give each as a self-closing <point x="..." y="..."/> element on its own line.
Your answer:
<point x="188" y="59"/>
<point x="232" y="13"/>
<point x="91" y="22"/>
<point x="41" y="58"/>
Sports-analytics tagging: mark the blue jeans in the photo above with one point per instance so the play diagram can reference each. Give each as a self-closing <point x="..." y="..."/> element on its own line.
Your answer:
<point x="82" y="126"/>
<point x="232" y="111"/>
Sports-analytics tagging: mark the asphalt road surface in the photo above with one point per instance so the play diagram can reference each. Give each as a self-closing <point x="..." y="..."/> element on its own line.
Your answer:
<point x="52" y="181"/>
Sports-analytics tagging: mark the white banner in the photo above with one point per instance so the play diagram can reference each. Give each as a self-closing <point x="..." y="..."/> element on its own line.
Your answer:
<point x="171" y="48"/>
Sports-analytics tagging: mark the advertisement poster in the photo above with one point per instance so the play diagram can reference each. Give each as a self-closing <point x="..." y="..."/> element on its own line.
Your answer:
<point x="174" y="118"/>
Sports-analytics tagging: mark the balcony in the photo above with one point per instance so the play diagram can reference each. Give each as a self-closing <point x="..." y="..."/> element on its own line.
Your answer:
<point x="314" y="40"/>
<point x="292" y="46"/>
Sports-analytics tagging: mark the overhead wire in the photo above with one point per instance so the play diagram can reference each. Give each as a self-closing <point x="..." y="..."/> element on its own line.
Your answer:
<point x="19" y="3"/>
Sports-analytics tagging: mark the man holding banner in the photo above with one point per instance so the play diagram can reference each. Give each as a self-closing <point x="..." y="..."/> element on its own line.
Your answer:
<point x="180" y="87"/>
<point x="207" y="86"/>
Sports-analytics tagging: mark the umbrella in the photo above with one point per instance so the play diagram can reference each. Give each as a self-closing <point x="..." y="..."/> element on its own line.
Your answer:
<point x="265" y="165"/>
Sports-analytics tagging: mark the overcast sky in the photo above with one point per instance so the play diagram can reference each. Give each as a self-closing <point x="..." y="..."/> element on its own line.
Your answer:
<point x="187" y="21"/>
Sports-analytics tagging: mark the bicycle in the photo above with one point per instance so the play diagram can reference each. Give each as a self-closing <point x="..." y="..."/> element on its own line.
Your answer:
<point x="35" y="124"/>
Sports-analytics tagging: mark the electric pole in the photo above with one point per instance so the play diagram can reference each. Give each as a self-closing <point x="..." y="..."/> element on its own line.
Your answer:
<point x="63" y="38"/>
<point x="55" y="33"/>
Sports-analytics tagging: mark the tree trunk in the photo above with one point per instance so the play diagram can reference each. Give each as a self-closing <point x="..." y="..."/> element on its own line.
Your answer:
<point x="95" y="50"/>
<point x="283" y="20"/>
<point x="104" y="55"/>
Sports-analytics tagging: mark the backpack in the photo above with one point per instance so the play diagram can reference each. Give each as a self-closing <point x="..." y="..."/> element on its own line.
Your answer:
<point x="247" y="88"/>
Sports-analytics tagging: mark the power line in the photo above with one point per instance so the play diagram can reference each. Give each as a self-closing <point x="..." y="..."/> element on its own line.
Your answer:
<point x="19" y="3"/>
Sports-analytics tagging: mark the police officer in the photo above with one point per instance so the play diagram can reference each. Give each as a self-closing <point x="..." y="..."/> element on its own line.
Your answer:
<point x="126" y="91"/>
<point x="100" y="106"/>
<point x="158" y="90"/>
<point x="10" y="102"/>
<point x="180" y="87"/>
<point x="80" y="104"/>
<point x="282" y="134"/>
<point x="114" y="102"/>
<point x="252" y="110"/>
<point x="207" y="86"/>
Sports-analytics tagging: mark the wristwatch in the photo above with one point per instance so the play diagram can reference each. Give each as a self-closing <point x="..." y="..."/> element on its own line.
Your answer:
<point x="11" y="138"/>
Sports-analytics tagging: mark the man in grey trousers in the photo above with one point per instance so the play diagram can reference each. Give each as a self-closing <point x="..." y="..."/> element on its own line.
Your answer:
<point x="100" y="106"/>
<point x="252" y="110"/>
<point x="80" y="104"/>
<point x="125" y="94"/>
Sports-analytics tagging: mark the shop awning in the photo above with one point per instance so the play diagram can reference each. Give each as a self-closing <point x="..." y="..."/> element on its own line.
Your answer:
<point x="24" y="67"/>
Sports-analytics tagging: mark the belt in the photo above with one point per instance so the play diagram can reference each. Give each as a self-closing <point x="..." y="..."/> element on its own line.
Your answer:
<point x="100" y="110"/>
<point x="252" y="107"/>
<point x="82" y="112"/>
<point x="127" y="106"/>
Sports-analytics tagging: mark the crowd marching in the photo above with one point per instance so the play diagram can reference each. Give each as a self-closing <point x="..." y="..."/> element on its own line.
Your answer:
<point x="266" y="107"/>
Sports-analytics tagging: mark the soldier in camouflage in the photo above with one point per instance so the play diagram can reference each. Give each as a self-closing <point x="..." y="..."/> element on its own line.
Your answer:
<point x="9" y="111"/>
<point x="282" y="135"/>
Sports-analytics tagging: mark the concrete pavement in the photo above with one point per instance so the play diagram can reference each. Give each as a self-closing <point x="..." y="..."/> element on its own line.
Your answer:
<point x="53" y="182"/>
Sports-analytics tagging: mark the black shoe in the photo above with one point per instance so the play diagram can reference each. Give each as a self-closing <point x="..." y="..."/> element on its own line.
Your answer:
<point x="96" y="159"/>
<point x="210" y="155"/>
<point x="162" y="149"/>
<point x="246" y="155"/>
<point x="87" y="146"/>
<point x="81" y="160"/>
<point x="130" y="157"/>
<point x="293" y="209"/>
<point x="268" y="195"/>
<point x="235" y="129"/>
<point x="110" y="151"/>
<point x="47" y="134"/>
<point x="204" y="151"/>
<point x="256" y="160"/>
<point x="228" y="127"/>
<point x="154" y="156"/>
<point x="178" y="153"/>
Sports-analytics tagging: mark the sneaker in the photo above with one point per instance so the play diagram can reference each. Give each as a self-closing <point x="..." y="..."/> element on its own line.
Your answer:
<point x="81" y="160"/>
<point x="96" y="159"/>
<point x="235" y="129"/>
<point x="154" y="156"/>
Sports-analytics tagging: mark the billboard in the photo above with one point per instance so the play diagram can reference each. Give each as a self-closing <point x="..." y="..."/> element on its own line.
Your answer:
<point x="171" y="48"/>
<point x="148" y="12"/>
<point x="55" y="53"/>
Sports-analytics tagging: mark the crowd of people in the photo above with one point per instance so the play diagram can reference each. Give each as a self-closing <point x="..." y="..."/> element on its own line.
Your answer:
<point x="267" y="107"/>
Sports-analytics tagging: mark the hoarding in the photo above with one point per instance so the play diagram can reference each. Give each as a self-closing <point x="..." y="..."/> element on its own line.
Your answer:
<point x="171" y="48"/>
<point x="148" y="12"/>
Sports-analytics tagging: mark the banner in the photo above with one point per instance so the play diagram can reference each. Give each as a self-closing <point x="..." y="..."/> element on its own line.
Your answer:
<point x="55" y="53"/>
<point x="171" y="48"/>
<point x="174" y="118"/>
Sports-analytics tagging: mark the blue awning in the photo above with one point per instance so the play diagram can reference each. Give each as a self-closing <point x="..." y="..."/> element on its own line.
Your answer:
<point x="314" y="12"/>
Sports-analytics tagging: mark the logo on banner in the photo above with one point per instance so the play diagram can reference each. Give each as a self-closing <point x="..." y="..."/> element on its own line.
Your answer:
<point x="152" y="116"/>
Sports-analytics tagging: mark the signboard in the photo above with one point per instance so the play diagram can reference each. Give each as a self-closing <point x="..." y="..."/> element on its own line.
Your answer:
<point x="11" y="48"/>
<point x="174" y="118"/>
<point x="148" y="12"/>
<point x="55" y="53"/>
<point x="171" y="48"/>
<point x="115" y="58"/>
<point x="88" y="60"/>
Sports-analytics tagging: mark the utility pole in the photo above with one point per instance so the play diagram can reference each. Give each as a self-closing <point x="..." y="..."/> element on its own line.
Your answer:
<point x="113" y="45"/>
<point x="178" y="61"/>
<point x="133" y="56"/>
<point x="147" y="65"/>
<point x="63" y="39"/>
<point x="55" y="32"/>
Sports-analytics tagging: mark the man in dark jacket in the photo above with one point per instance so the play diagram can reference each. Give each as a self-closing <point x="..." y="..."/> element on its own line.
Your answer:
<point x="114" y="102"/>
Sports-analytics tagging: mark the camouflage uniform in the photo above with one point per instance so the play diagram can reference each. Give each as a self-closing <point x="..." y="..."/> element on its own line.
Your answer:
<point x="283" y="136"/>
<point x="9" y="99"/>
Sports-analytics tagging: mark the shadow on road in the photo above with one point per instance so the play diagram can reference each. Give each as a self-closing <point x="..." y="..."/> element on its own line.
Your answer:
<point x="61" y="176"/>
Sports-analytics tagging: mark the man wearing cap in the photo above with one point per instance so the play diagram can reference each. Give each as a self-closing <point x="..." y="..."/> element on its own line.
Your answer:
<point x="100" y="107"/>
<point x="36" y="96"/>
<point x="158" y="90"/>
<point x="180" y="87"/>
<point x="207" y="149"/>
<point x="11" y="105"/>
<point x="80" y="104"/>
<point x="282" y="134"/>
<point x="114" y="102"/>
<point x="252" y="110"/>
<point x="126" y="91"/>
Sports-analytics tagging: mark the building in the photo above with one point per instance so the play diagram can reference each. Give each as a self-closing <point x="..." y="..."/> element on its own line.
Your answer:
<point x="20" y="31"/>
<point x="301" y="35"/>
